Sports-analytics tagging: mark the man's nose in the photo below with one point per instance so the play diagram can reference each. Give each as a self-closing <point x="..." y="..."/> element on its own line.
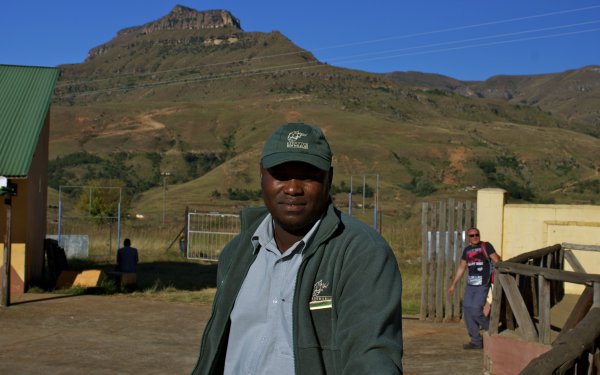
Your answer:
<point x="293" y="186"/>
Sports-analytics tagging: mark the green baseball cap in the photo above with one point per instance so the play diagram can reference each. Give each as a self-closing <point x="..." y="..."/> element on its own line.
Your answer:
<point x="297" y="142"/>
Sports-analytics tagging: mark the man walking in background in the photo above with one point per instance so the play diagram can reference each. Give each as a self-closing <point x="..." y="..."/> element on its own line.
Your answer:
<point x="477" y="257"/>
<point x="304" y="288"/>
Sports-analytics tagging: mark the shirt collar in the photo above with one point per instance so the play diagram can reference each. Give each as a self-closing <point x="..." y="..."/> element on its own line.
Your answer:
<point x="264" y="235"/>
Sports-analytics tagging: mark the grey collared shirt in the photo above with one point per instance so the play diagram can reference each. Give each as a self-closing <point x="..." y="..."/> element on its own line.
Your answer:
<point x="260" y="338"/>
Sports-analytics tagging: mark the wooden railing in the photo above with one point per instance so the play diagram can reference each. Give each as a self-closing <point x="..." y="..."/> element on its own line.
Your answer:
<point x="528" y="286"/>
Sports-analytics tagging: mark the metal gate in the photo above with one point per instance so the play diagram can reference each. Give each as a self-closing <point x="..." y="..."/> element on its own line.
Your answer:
<point x="208" y="233"/>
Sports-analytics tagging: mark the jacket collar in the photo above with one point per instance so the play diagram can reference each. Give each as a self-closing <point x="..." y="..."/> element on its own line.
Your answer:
<point x="252" y="217"/>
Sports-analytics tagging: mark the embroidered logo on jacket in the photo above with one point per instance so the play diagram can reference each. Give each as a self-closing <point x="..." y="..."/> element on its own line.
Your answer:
<point x="319" y="301"/>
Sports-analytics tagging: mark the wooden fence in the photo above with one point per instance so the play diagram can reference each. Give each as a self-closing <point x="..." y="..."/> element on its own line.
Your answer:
<point x="442" y="236"/>
<point x="529" y="286"/>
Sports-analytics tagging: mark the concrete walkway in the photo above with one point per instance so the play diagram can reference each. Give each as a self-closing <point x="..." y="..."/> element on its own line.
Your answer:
<point x="436" y="349"/>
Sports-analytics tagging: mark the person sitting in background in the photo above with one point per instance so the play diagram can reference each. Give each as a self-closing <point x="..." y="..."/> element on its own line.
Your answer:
<point x="127" y="258"/>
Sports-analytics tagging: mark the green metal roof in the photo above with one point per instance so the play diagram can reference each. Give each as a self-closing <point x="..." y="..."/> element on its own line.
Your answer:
<point x="25" y="95"/>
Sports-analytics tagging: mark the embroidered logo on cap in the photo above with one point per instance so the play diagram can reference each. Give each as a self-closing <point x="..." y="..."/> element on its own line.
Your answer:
<point x="293" y="140"/>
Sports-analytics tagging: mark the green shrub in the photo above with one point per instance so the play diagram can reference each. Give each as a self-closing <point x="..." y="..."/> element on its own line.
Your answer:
<point x="420" y="186"/>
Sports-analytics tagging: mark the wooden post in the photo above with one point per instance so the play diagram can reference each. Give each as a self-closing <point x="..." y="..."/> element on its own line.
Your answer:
<point x="509" y="317"/>
<point x="468" y="224"/>
<point x="581" y="308"/>
<point x="509" y="285"/>
<point x="185" y="230"/>
<point x="424" y="261"/>
<point x="496" y="304"/>
<point x="432" y="260"/>
<point x="574" y="344"/>
<point x="449" y="259"/>
<point x="5" y="302"/>
<point x="440" y="264"/>
<point x="573" y="261"/>
<point x="456" y="313"/>
<point x="544" y="310"/>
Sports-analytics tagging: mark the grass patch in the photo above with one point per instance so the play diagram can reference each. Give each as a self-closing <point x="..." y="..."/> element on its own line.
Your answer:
<point x="191" y="282"/>
<point x="411" y="286"/>
<point x="164" y="274"/>
<point x="172" y="294"/>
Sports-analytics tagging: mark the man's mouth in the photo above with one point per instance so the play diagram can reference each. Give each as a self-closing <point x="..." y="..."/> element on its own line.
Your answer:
<point x="292" y="205"/>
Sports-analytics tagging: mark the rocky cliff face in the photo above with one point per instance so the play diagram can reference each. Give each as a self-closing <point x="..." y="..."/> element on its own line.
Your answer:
<point x="180" y="18"/>
<point x="183" y="18"/>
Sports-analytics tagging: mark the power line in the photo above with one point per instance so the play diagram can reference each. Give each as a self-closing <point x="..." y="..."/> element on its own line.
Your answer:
<point x="314" y="64"/>
<point x="476" y="39"/>
<point x="308" y="65"/>
<point x="479" y="45"/>
<point x="274" y="69"/>
<point x="459" y="28"/>
<point x="203" y="78"/>
<point x="373" y="41"/>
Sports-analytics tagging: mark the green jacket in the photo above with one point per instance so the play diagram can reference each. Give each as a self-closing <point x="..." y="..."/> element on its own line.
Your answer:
<point x="349" y="273"/>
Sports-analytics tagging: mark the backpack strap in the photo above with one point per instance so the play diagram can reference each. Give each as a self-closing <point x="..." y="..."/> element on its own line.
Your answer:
<point x="489" y="260"/>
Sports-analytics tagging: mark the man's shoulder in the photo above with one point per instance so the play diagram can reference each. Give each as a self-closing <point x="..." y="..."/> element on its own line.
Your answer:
<point x="488" y="246"/>
<point x="360" y="232"/>
<point x="350" y="222"/>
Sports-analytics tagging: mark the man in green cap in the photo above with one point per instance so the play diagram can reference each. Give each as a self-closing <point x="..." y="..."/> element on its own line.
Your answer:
<point x="304" y="288"/>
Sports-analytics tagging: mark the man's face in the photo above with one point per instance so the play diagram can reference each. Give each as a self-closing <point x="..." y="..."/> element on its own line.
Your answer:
<point x="473" y="235"/>
<point x="296" y="194"/>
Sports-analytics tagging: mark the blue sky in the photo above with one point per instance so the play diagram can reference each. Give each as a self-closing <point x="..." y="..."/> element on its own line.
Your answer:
<point x="467" y="40"/>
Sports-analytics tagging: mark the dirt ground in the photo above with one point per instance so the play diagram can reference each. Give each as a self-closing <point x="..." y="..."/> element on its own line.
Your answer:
<point x="93" y="334"/>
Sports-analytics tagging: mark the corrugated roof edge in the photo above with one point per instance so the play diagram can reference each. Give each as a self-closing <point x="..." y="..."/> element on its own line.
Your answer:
<point x="47" y="102"/>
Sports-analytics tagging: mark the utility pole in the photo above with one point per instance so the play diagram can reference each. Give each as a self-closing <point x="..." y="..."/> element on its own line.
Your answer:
<point x="364" y="189"/>
<point x="7" y="189"/>
<point x="164" y="176"/>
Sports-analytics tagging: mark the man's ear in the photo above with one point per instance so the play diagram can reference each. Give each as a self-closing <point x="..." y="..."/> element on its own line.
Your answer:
<point x="330" y="178"/>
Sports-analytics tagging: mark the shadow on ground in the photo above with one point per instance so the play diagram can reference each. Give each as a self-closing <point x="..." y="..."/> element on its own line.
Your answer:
<point x="180" y="275"/>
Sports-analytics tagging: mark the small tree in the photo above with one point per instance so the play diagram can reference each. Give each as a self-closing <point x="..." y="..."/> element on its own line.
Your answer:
<point x="100" y="200"/>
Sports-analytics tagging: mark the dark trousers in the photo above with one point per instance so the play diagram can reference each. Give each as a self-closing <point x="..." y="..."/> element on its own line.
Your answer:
<point x="475" y="297"/>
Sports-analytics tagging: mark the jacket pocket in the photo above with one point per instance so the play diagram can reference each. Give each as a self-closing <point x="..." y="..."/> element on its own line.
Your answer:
<point x="321" y="317"/>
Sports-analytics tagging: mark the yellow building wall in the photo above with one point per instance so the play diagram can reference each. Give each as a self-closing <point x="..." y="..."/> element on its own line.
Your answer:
<point x="37" y="192"/>
<point x="18" y="213"/>
<point x="18" y="232"/>
<point x="17" y="262"/>
<point x="527" y="227"/>
<point x="490" y="216"/>
<point x="28" y="218"/>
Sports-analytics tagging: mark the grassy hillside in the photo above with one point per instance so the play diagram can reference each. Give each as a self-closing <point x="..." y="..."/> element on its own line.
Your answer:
<point x="572" y="96"/>
<point x="173" y="101"/>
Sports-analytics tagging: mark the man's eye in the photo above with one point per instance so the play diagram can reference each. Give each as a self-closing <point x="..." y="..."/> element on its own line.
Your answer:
<point x="295" y="176"/>
<point x="280" y="175"/>
<point x="292" y="172"/>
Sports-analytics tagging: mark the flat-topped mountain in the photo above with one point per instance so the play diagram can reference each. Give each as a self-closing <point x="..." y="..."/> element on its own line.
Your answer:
<point x="195" y="95"/>
<point x="180" y="18"/>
